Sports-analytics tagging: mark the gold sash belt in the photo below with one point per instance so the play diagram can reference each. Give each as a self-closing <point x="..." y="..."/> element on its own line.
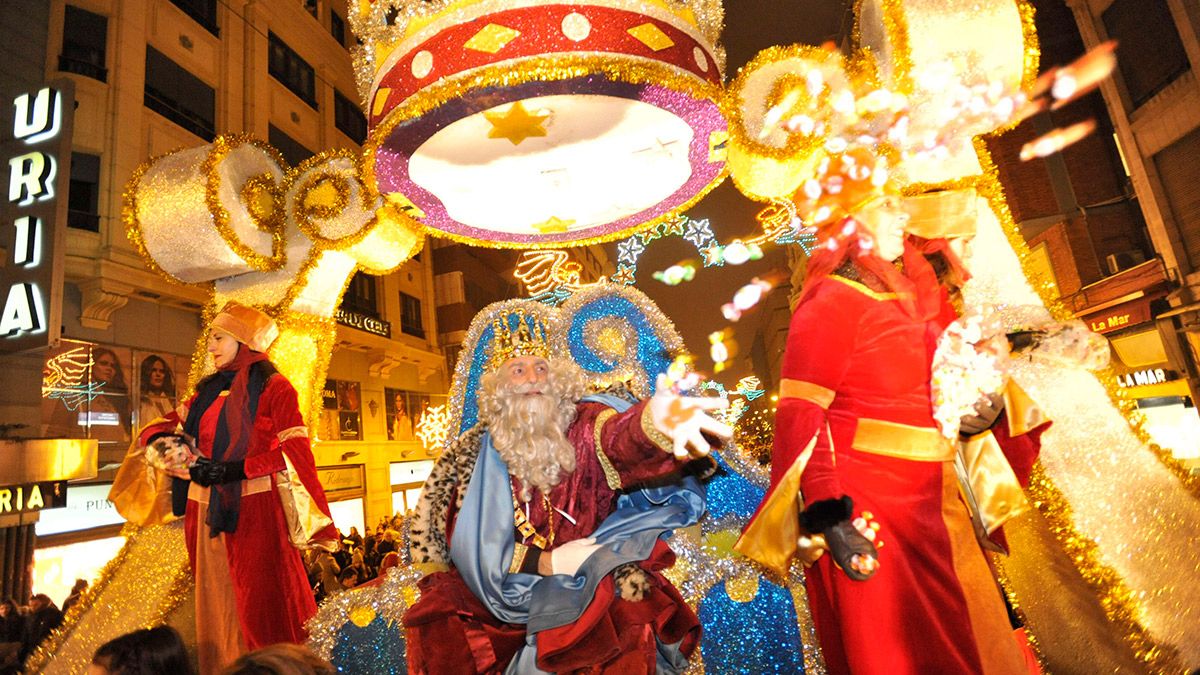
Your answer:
<point x="918" y="444"/>
<point x="249" y="487"/>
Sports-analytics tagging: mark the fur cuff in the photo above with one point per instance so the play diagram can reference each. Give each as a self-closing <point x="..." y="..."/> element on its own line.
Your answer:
<point x="826" y="513"/>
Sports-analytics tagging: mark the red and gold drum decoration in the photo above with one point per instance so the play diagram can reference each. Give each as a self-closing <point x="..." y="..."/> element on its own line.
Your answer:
<point x="534" y="123"/>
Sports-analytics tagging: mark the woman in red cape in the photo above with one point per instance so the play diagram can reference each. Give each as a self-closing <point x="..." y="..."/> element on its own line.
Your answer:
<point x="252" y="495"/>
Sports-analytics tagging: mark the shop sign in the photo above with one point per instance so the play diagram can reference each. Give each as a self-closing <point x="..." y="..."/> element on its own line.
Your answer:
<point x="1138" y="378"/>
<point x="36" y="156"/>
<point x="1121" y="316"/>
<point x="341" y="478"/>
<point x="87" y="508"/>
<point x="32" y="497"/>
<point x="363" y="322"/>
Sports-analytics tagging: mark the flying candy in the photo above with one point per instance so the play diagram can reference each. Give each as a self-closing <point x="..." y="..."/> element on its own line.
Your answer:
<point x="747" y="297"/>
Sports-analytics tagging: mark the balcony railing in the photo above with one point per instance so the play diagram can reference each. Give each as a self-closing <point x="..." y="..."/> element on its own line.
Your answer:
<point x="168" y="108"/>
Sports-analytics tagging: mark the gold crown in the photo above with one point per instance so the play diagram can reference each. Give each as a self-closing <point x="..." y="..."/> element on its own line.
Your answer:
<point x="528" y="338"/>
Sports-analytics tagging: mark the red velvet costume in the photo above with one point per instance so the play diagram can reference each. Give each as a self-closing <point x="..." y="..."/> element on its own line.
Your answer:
<point x="856" y="389"/>
<point x="270" y="585"/>
<point x="450" y="631"/>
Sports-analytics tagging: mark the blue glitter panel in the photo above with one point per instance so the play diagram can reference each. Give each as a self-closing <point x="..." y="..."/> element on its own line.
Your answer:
<point x="729" y="493"/>
<point x="652" y="353"/>
<point x="760" y="636"/>
<point x="377" y="649"/>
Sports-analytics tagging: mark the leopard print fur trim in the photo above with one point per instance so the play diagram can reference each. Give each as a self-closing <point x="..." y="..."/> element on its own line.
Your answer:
<point x="448" y="480"/>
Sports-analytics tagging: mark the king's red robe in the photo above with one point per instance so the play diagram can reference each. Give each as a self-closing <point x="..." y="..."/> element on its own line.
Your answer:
<point x="855" y="391"/>
<point x="264" y="569"/>
<point x="450" y="631"/>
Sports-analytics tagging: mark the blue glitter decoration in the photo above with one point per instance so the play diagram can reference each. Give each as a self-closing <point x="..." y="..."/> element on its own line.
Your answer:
<point x="652" y="353"/>
<point x="765" y="628"/>
<point x="378" y="649"/>
<point x="729" y="493"/>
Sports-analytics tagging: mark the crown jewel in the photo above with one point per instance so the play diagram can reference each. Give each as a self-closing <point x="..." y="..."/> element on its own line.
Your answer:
<point x="526" y="338"/>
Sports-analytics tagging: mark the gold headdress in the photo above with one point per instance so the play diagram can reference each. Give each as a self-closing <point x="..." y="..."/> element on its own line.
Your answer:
<point x="526" y="338"/>
<point x="247" y="325"/>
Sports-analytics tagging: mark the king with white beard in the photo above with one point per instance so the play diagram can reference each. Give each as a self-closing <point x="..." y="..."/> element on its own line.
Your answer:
<point x="540" y="528"/>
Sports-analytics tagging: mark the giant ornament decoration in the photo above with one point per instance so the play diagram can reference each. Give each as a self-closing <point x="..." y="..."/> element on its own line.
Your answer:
<point x="539" y="124"/>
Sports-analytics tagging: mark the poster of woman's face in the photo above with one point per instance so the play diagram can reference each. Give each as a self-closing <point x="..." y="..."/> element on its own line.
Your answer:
<point x="404" y="410"/>
<point x="157" y="390"/>
<point x="86" y="392"/>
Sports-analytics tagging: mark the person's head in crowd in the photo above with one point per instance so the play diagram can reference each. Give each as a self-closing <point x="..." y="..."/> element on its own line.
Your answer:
<point x="392" y="559"/>
<point x="348" y="578"/>
<point x="149" y="651"/>
<point x="39" y="602"/>
<point x="107" y="368"/>
<point x="280" y="659"/>
<point x="354" y="531"/>
<point x="8" y="608"/>
<point x="157" y="377"/>
<point x="356" y="557"/>
<point x="79" y="587"/>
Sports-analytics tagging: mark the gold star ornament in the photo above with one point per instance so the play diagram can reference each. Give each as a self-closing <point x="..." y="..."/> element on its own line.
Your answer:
<point x="516" y="124"/>
<point x="552" y="225"/>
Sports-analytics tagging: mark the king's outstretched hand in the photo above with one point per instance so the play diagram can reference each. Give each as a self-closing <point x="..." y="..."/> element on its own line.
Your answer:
<point x="685" y="421"/>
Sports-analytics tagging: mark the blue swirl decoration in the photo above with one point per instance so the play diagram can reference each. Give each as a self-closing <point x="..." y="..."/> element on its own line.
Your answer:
<point x="656" y="339"/>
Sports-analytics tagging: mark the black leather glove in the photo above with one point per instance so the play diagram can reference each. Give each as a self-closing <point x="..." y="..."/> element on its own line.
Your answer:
<point x="845" y="544"/>
<point x="207" y="473"/>
<point x="851" y="550"/>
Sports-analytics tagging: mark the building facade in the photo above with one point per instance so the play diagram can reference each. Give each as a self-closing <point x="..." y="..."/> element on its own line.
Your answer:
<point x="1114" y="221"/>
<point x="150" y="77"/>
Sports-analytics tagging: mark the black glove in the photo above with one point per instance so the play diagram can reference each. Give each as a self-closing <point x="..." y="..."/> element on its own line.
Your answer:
<point x="986" y="413"/>
<point x="845" y="543"/>
<point x="832" y="518"/>
<point x="207" y="473"/>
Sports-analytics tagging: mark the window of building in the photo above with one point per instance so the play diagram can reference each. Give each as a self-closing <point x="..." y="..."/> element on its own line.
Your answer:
<point x="83" y="200"/>
<point x="1150" y="55"/>
<point x="310" y="6"/>
<point x="203" y="11"/>
<point x="179" y="96"/>
<point x="85" y="37"/>
<point x="410" y="316"/>
<point x="361" y="295"/>
<point x="293" y="72"/>
<point x="348" y="118"/>
<point x="337" y="28"/>
<point x="291" y="149"/>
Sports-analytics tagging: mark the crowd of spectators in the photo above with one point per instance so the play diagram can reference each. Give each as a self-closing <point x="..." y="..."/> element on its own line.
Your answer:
<point x="360" y="559"/>
<point x="22" y="628"/>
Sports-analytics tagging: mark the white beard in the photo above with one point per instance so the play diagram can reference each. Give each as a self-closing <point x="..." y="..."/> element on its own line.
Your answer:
<point x="529" y="431"/>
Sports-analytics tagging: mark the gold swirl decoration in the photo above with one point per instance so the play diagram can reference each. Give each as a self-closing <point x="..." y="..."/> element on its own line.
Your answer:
<point x="232" y="217"/>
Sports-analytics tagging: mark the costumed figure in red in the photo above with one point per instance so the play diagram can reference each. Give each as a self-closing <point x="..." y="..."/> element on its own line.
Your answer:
<point x="538" y="528"/>
<point x="249" y="494"/>
<point x="855" y="434"/>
